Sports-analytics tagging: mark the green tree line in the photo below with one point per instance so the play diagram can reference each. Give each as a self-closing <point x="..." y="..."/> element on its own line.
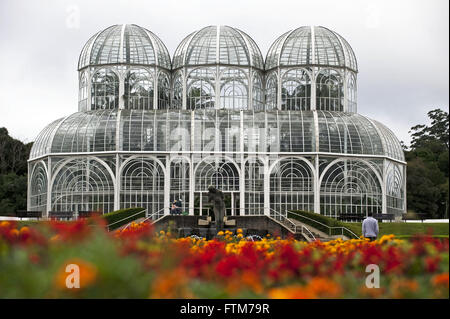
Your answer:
<point x="13" y="173"/>
<point x="427" y="166"/>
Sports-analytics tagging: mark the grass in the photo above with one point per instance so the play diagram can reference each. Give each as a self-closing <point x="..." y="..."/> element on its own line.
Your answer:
<point x="404" y="229"/>
<point x="400" y="229"/>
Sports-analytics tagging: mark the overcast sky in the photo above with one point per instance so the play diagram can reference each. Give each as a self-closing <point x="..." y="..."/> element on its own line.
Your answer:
<point x="401" y="46"/>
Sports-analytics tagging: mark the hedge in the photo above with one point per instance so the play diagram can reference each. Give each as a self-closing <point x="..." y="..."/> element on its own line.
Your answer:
<point x="119" y="217"/>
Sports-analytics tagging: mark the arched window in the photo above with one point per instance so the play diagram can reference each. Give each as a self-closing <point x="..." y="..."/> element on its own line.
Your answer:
<point x="104" y="90"/>
<point x="329" y="91"/>
<point x="291" y="185"/>
<point x="258" y="92"/>
<point x="83" y="93"/>
<point x="201" y="93"/>
<point x="38" y="187"/>
<point x="163" y="91"/>
<point x="271" y="92"/>
<point x="350" y="187"/>
<point x="296" y="91"/>
<point x="351" y="93"/>
<point x="394" y="188"/>
<point x="142" y="185"/>
<point x="139" y="90"/>
<point x="83" y="184"/>
<point x="177" y="100"/>
<point x="254" y="187"/>
<point x="234" y="90"/>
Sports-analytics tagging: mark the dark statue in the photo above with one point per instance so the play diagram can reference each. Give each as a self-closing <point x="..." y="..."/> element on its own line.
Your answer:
<point x="215" y="197"/>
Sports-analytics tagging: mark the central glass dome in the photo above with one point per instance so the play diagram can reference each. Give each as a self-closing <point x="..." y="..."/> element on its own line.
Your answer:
<point x="218" y="67"/>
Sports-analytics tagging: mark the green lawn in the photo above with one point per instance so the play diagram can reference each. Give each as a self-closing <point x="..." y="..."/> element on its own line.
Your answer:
<point x="404" y="229"/>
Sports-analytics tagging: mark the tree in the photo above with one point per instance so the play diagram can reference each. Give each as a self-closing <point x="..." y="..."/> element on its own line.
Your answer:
<point x="13" y="173"/>
<point x="13" y="193"/>
<point x="427" y="170"/>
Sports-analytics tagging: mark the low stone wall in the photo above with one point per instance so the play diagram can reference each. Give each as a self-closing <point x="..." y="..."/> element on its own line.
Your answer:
<point x="251" y="225"/>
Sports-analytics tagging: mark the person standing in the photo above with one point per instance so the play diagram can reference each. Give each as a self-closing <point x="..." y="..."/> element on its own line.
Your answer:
<point x="370" y="227"/>
<point x="178" y="206"/>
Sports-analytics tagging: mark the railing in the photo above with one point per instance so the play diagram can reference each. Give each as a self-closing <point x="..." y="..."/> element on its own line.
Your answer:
<point x="330" y="229"/>
<point x="128" y="217"/>
<point x="149" y="217"/>
<point x="291" y="225"/>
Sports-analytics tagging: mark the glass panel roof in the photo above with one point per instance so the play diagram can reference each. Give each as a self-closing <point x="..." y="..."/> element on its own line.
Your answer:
<point x="274" y="131"/>
<point x="311" y="45"/>
<point x="218" y="44"/>
<point x="138" y="45"/>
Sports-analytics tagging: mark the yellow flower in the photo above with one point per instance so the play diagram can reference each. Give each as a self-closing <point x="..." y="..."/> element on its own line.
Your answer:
<point x="220" y="233"/>
<point x="239" y="231"/>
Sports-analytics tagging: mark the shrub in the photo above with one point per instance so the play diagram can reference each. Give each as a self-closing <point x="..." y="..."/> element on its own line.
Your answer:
<point x="119" y="217"/>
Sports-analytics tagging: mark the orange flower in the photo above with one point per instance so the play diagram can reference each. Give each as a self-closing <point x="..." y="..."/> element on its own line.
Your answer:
<point x="69" y="271"/>
<point x="290" y="292"/>
<point x="171" y="284"/>
<point x="403" y="288"/>
<point x="440" y="280"/>
<point x="323" y="287"/>
<point x="14" y="232"/>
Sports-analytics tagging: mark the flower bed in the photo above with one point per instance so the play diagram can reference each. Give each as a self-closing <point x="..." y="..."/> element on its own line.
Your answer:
<point x="137" y="263"/>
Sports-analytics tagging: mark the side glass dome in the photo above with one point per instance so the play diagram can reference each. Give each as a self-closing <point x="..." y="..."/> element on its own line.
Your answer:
<point x="124" y="66"/>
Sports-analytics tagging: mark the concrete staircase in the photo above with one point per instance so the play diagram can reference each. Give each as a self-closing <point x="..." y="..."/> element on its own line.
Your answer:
<point x="319" y="235"/>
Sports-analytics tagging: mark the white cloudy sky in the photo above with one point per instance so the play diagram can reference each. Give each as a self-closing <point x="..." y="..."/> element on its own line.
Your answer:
<point x="402" y="48"/>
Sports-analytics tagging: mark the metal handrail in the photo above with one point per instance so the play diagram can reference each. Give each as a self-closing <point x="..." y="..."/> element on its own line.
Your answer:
<point x="146" y="218"/>
<point x="128" y="217"/>
<point x="294" y="226"/>
<point x="329" y="227"/>
<point x="155" y="213"/>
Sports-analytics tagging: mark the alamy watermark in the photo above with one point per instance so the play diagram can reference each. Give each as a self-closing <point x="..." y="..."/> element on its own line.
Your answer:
<point x="73" y="279"/>
<point x="373" y="279"/>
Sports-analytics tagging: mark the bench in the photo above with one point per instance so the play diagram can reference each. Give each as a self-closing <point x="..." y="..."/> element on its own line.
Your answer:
<point x="419" y="216"/>
<point x="204" y="222"/>
<point x="351" y="217"/>
<point x="381" y="217"/>
<point x="229" y="222"/>
<point x="87" y="213"/>
<point x="28" y="214"/>
<point x="60" y="215"/>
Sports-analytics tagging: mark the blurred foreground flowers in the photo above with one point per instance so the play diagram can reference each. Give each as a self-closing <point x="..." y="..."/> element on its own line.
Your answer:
<point x="138" y="263"/>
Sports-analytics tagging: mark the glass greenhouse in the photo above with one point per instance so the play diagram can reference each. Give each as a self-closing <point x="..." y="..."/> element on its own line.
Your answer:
<point x="273" y="135"/>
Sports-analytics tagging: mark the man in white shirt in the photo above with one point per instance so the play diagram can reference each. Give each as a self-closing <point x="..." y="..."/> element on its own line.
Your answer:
<point x="370" y="227"/>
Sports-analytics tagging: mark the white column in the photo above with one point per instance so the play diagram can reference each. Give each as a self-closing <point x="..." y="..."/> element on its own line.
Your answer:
<point x="313" y="89"/>
<point x="279" y="80"/>
<point x="117" y="188"/>
<point x="155" y="90"/>
<point x="266" y="187"/>
<point x="191" y="186"/>
<point x="167" y="187"/>
<point x="383" y="189"/>
<point x="184" y="82"/>
<point x="242" y="175"/>
<point x="316" y="186"/>
<point x="122" y="90"/>
<point x="49" y="186"/>
<point x="191" y="166"/>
